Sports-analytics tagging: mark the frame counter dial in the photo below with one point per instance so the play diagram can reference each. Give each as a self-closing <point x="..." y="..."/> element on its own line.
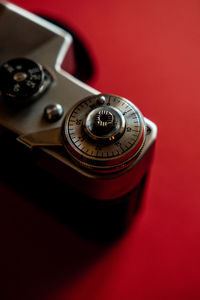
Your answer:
<point x="23" y="80"/>
<point x="104" y="132"/>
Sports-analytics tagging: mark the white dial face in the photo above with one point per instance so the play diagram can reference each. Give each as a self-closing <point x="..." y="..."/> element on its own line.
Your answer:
<point x="103" y="133"/>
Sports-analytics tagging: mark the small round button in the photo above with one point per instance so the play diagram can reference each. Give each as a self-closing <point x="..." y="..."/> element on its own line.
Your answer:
<point x="101" y="100"/>
<point x="21" y="78"/>
<point x="53" y="112"/>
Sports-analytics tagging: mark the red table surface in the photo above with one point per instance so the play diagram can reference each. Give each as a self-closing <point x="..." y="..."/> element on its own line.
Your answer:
<point x="148" y="52"/>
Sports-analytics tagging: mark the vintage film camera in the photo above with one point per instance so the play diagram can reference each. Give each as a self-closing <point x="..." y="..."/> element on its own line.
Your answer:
<point x="99" y="144"/>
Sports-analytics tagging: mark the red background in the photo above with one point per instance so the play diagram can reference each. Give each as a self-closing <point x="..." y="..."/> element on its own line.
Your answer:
<point x="148" y="52"/>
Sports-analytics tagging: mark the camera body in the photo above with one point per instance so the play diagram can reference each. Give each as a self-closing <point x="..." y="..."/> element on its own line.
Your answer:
<point x="100" y="144"/>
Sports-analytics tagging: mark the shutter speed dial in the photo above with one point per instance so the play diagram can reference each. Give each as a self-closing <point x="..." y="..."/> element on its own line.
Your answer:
<point x="104" y="132"/>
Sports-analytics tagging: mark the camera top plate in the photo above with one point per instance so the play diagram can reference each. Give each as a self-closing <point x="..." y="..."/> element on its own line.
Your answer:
<point x="25" y="35"/>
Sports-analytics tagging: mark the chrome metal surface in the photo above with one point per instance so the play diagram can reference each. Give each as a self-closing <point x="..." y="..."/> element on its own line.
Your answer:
<point x="96" y="148"/>
<point x="104" y="130"/>
<point x="53" y="112"/>
<point x="39" y="40"/>
<point x="35" y="38"/>
<point x="46" y="138"/>
<point x="104" y="120"/>
<point x="101" y="100"/>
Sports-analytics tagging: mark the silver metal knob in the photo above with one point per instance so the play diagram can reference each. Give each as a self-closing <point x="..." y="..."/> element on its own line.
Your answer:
<point x="53" y="112"/>
<point x="104" y="132"/>
<point x="104" y="124"/>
